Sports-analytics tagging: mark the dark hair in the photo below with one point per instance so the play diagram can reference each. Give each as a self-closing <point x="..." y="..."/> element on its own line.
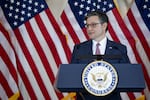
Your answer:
<point x="102" y="17"/>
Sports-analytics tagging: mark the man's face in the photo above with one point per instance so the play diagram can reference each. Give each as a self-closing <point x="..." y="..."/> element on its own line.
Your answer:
<point x="95" y="29"/>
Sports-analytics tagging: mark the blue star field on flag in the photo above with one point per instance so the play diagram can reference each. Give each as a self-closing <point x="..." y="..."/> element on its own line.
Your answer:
<point x="81" y="7"/>
<point x="19" y="11"/>
<point x="144" y="8"/>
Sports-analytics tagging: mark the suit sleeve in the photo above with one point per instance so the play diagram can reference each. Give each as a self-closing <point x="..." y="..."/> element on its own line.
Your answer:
<point x="125" y="58"/>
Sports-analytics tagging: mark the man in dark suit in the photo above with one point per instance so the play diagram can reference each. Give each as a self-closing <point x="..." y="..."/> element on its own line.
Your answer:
<point x="99" y="44"/>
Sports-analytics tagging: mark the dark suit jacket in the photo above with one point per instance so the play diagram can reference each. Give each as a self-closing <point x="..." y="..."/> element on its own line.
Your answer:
<point x="81" y="54"/>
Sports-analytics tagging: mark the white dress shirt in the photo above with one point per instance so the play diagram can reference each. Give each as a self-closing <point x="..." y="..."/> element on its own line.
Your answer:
<point x="102" y="46"/>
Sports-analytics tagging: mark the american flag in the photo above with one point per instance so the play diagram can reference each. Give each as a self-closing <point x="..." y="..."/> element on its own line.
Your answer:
<point x="138" y="22"/>
<point x="32" y="47"/>
<point x="32" y="44"/>
<point x="137" y="42"/>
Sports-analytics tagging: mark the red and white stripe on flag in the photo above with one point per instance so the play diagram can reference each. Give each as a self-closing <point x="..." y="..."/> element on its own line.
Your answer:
<point x="141" y="33"/>
<point x="118" y="31"/>
<point x="40" y="48"/>
<point x="8" y="67"/>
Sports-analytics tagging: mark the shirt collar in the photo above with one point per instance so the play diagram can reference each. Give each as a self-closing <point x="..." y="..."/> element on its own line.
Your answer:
<point x="102" y="42"/>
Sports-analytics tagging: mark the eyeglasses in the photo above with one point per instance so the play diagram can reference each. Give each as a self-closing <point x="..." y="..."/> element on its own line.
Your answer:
<point x="93" y="25"/>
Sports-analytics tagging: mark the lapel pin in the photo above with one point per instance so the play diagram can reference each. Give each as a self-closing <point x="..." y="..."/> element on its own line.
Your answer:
<point x="110" y="47"/>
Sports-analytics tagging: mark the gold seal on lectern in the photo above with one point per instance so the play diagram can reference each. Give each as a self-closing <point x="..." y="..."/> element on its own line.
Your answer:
<point x="99" y="78"/>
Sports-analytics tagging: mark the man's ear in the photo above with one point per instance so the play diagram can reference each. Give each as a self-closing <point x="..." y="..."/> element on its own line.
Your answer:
<point x="104" y="25"/>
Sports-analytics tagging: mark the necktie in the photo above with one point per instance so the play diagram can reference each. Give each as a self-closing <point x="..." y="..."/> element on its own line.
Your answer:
<point x="97" y="49"/>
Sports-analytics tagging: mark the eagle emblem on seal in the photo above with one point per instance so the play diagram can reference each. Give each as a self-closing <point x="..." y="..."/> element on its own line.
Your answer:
<point x="99" y="79"/>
